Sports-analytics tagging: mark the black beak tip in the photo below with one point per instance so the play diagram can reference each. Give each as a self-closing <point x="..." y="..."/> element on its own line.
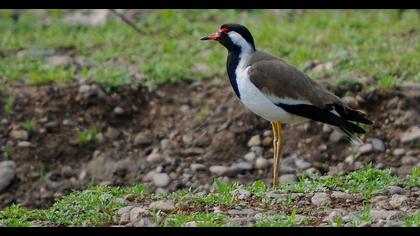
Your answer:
<point x="205" y="38"/>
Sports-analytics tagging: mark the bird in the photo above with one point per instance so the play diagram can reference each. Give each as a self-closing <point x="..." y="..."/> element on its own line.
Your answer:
<point x="279" y="92"/>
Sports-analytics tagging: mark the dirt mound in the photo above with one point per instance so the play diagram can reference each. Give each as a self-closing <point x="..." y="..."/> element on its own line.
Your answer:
<point x="179" y="131"/>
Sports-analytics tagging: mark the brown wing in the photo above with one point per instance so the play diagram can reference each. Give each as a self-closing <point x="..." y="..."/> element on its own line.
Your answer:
<point x="275" y="77"/>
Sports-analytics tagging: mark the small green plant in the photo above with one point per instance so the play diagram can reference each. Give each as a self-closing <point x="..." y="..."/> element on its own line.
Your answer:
<point x="7" y="152"/>
<point x="42" y="171"/>
<point x="88" y="136"/>
<point x="8" y="104"/>
<point x="387" y="81"/>
<point x="29" y="125"/>
<point x="413" y="221"/>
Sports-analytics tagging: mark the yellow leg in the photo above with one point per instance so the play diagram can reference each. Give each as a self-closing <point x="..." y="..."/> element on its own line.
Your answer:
<point x="278" y="135"/>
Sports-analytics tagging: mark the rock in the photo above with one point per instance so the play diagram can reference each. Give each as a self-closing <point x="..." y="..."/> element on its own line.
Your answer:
<point x="341" y="195"/>
<point x="336" y="170"/>
<point x="203" y="141"/>
<point x="301" y="164"/>
<point x="395" y="190"/>
<point x="311" y="170"/>
<point x="276" y="194"/>
<point x="165" y="144"/>
<point x="333" y="216"/>
<point x="136" y="213"/>
<point x="69" y="123"/>
<point x="393" y="223"/>
<point x="24" y="144"/>
<point x="323" y="67"/>
<point x="326" y="129"/>
<point x="366" y="148"/>
<point x="254" y="141"/>
<point x="399" y="152"/>
<point x="384" y="214"/>
<point x="50" y="125"/>
<point x="187" y="139"/>
<point x="161" y="179"/>
<point x="84" y="88"/>
<point x="246" y="211"/>
<point x="124" y="214"/>
<point x="250" y="156"/>
<point x="398" y="200"/>
<point x="154" y="158"/>
<point x="19" y="135"/>
<point x="289" y="178"/>
<point x="267" y="141"/>
<point x="163" y="205"/>
<point x="365" y="224"/>
<point x="185" y="109"/>
<point x="112" y="133"/>
<point x="261" y="163"/>
<point x="241" y="221"/>
<point x="242" y="194"/>
<point x="7" y="174"/>
<point x="94" y="18"/>
<point x="218" y="170"/>
<point x="320" y="199"/>
<point x="118" y="110"/>
<point x="197" y="167"/>
<point x="407" y="160"/>
<point x="336" y="136"/>
<point x="57" y="61"/>
<point x="404" y="170"/>
<point x="378" y="145"/>
<point x="243" y="166"/>
<point x="191" y="224"/>
<point x="143" y="138"/>
<point x="411" y="136"/>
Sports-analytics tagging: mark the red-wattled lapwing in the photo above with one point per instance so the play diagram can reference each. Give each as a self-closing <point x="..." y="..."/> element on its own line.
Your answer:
<point x="278" y="91"/>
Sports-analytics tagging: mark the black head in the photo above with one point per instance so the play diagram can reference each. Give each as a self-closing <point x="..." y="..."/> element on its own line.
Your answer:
<point x="234" y="37"/>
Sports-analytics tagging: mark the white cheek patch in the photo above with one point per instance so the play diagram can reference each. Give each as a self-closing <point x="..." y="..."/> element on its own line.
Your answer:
<point x="238" y="40"/>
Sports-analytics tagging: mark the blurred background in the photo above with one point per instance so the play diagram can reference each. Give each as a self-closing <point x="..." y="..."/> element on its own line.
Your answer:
<point x="88" y="99"/>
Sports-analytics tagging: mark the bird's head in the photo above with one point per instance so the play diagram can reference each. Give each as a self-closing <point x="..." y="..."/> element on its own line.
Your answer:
<point x="234" y="37"/>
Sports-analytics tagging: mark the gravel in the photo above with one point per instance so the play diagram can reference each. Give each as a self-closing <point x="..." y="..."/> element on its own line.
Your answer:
<point x="250" y="156"/>
<point x="261" y="163"/>
<point x="395" y="190"/>
<point x="411" y="136"/>
<point x="366" y="148"/>
<point x="399" y="152"/>
<point x="143" y="139"/>
<point x="398" y="200"/>
<point x="7" y="174"/>
<point x="219" y="170"/>
<point x="378" y="145"/>
<point x="288" y="178"/>
<point x="383" y="214"/>
<point x="154" y="158"/>
<point x="341" y="195"/>
<point x="254" y="141"/>
<point x="119" y="110"/>
<point x="19" y="135"/>
<point x="197" y="167"/>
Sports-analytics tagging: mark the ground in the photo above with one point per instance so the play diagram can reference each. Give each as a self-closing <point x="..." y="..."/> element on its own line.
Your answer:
<point x="93" y="107"/>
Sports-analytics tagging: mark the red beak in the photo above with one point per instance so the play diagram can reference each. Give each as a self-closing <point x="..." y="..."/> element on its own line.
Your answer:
<point x="214" y="36"/>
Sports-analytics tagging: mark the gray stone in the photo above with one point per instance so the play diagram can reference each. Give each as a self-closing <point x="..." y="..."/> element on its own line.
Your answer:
<point x="258" y="150"/>
<point x="242" y="194"/>
<point x="243" y="166"/>
<point x="191" y="224"/>
<point x="323" y="67"/>
<point x="395" y="190"/>
<point x="50" y="125"/>
<point x="241" y="221"/>
<point x="336" y="136"/>
<point x="408" y="160"/>
<point x="301" y="164"/>
<point x="144" y="222"/>
<point x="185" y="109"/>
<point x="246" y="211"/>
<point x="24" y="144"/>
<point x="383" y="214"/>
<point x="143" y="139"/>
<point x="7" y="174"/>
<point x="187" y="139"/>
<point x="393" y="223"/>
<point x="112" y="133"/>
<point x="411" y="136"/>
<point x="69" y="123"/>
<point x="154" y="158"/>
<point x="261" y="163"/>
<point x="197" y="167"/>
<point x="254" y="141"/>
<point x="84" y="88"/>
<point x="161" y="179"/>
<point x="341" y="195"/>
<point x="399" y="152"/>
<point x="320" y="199"/>
<point x="398" y="200"/>
<point x="333" y="216"/>
<point x="289" y="178"/>
<point x="326" y="129"/>
<point x="118" y="110"/>
<point x="19" y="135"/>
<point x="250" y="156"/>
<point x="366" y="148"/>
<point x="378" y="145"/>
<point x="219" y="170"/>
<point x="163" y="205"/>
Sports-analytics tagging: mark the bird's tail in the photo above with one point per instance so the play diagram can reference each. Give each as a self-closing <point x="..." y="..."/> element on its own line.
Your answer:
<point x="347" y="127"/>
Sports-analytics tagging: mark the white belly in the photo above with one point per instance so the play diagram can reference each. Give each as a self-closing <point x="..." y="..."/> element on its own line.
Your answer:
<point x="260" y="104"/>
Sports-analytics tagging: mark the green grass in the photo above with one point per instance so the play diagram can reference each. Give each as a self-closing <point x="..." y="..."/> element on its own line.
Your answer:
<point x="97" y="205"/>
<point x="373" y="43"/>
<point x="88" y="136"/>
<point x="29" y="125"/>
<point x="8" y="104"/>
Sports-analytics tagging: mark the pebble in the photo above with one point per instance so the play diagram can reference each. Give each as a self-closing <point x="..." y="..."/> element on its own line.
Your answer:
<point x="24" y="144"/>
<point x="411" y="136"/>
<point x="261" y="163"/>
<point x="393" y="223"/>
<point x="218" y="170"/>
<point x="69" y="123"/>
<point x="399" y="152"/>
<point x="397" y="200"/>
<point x="19" y="135"/>
<point x="124" y="214"/>
<point x="187" y="139"/>
<point x="7" y="173"/>
<point x="112" y="133"/>
<point x="395" y="190"/>
<point x="246" y="211"/>
<point x="378" y="145"/>
<point x="154" y="158"/>
<point x="191" y="224"/>
<point x="84" y="88"/>
<point x="185" y="109"/>
<point x="326" y="129"/>
<point x="50" y="125"/>
<point x="335" y="136"/>
<point x="163" y="205"/>
<point x="341" y="195"/>
<point x="254" y="141"/>
<point x="267" y="141"/>
<point x="118" y="110"/>
<point x="242" y="194"/>
<point x="161" y="179"/>
<point x="408" y="160"/>
<point x="301" y="164"/>
<point x="250" y="156"/>
<point x="143" y="139"/>
<point x="288" y="178"/>
<point x="197" y="167"/>
<point x="333" y="216"/>
<point x="243" y="166"/>
<point x="366" y="148"/>
<point x="383" y="214"/>
<point x="320" y="199"/>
